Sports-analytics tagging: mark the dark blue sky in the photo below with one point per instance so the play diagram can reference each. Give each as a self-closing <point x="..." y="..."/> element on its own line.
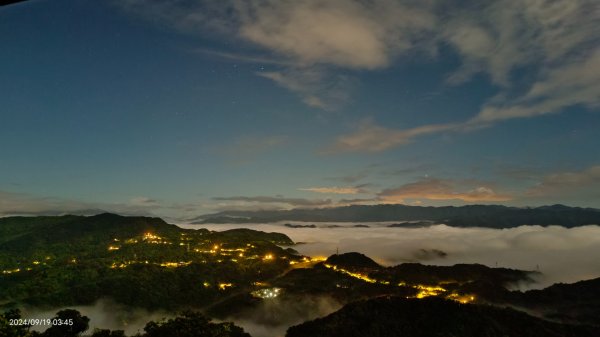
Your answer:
<point x="185" y="107"/>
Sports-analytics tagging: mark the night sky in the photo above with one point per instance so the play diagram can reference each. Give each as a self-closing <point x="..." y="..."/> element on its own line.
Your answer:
<point x="179" y="108"/>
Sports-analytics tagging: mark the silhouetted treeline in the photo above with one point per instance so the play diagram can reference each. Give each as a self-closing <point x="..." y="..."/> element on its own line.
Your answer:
<point x="396" y="316"/>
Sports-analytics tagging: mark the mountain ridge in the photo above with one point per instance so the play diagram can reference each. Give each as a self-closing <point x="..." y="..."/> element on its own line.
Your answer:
<point x="491" y="216"/>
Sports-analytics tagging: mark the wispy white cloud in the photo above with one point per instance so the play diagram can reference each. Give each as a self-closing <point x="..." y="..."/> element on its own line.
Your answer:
<point x="496" y="37"/>
<point x="555" y="39"/>
<point x="340" y="33"/>
<point x="577" y="82"/>
<point x="354" y="34"/>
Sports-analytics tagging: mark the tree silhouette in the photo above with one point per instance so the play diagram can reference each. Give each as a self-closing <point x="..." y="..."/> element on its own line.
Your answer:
<point x="192" y="324"/>
<point x="72" y="324"/>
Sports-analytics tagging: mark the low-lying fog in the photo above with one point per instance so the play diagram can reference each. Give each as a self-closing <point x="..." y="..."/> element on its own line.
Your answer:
<point x="271" y="318"/>
<point x="104" y="314"/>
<point x="562" y="254"/>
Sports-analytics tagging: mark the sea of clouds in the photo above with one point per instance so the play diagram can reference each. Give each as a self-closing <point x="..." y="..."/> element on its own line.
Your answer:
<point x="561" y="254"/>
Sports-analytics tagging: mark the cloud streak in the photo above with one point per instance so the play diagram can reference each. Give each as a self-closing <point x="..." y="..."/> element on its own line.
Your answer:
<point x="370" y="137"/>
<point x="249" y="147"/>
<point x="24" y="204"/>
<point x="295" y="202"/>
<point x="582" y="182"/>
<point x="438" y="189"/>
<point x="316" y="86"/>
<point x="244" y="58"/>
<point x="334" y="190"/>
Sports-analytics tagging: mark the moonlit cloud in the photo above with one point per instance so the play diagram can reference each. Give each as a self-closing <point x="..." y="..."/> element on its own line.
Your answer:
<point x="314" y="34"/>
<point x="556" y="36"/>
<point x="499" y="36"/>
<point x="561" y="87"/>
<point x="352" y="34"/>
<point x="437" y="189"/>
<point x="575" y="83"/>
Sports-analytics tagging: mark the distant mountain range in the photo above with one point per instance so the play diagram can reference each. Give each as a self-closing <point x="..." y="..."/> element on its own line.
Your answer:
<point x="491" y="216"/>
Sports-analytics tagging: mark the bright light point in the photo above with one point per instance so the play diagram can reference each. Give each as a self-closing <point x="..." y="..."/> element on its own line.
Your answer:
<point x="266" y="293"/>
<point x="223" y="286"/>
